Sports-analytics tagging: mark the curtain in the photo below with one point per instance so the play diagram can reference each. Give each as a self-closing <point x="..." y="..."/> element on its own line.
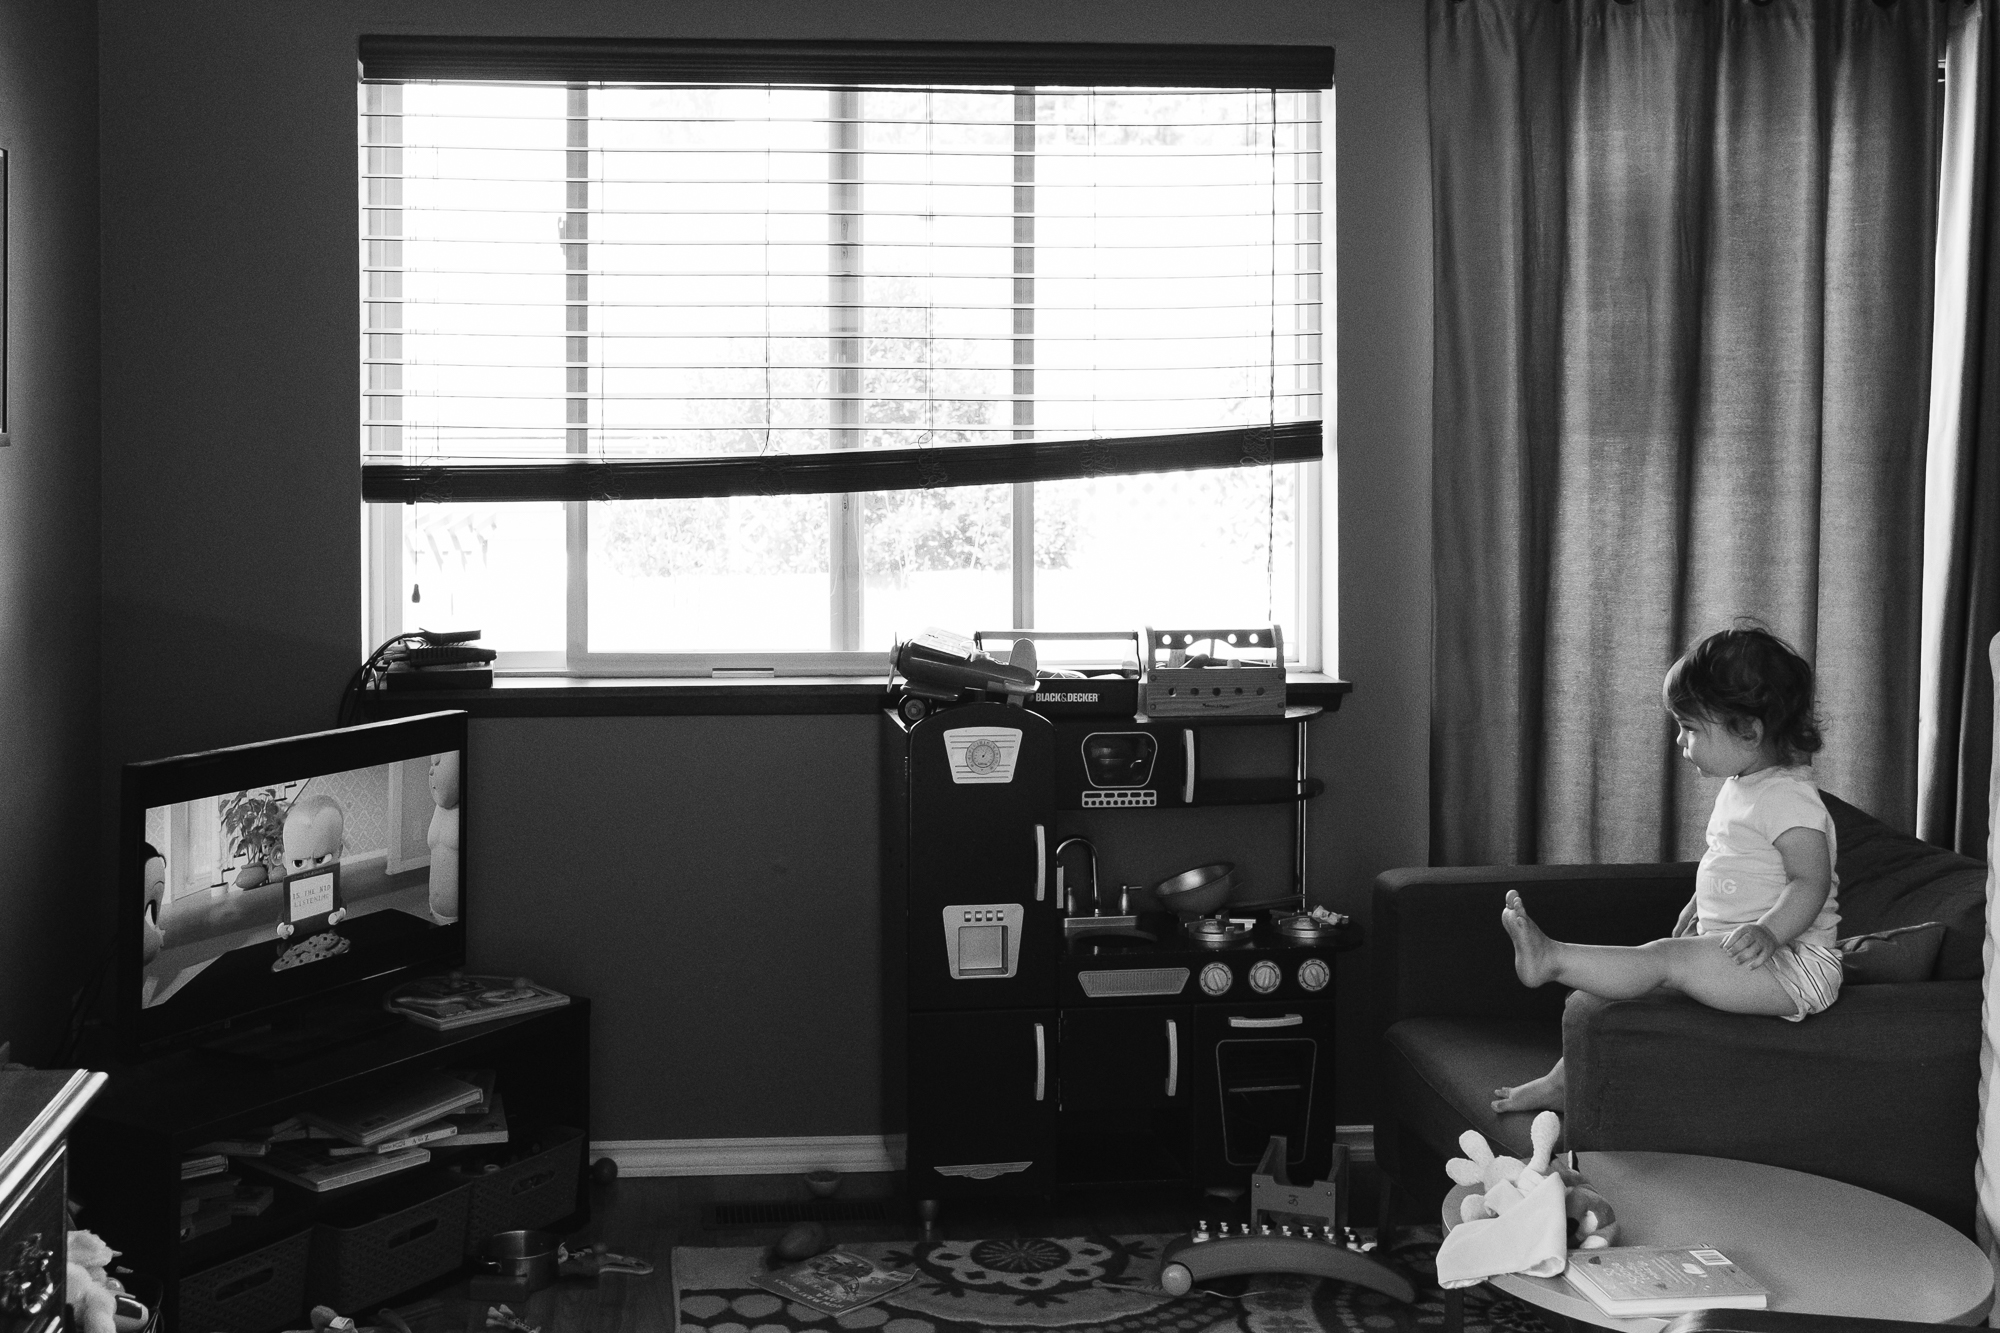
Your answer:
<point x="1986" y="1171"/>
<point x="1683" y="298"/>
<point x="1962" y="517"/>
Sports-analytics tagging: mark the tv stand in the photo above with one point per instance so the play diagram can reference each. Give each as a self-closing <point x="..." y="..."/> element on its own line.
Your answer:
<point x="127" y="1149"/>
<point x="288" y="1040"/>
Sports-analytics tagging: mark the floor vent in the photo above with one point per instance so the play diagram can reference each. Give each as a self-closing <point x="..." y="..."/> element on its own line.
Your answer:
<point x="807" y="1210"/>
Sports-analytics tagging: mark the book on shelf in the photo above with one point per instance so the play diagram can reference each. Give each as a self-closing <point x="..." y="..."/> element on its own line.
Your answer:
<point x="251" y="1200"/>
<point x="431" y="1133"/>
<point x="483" y="1079"/>
<point x="1631" y="1280"/>
<point x="459" y="1000"/>
<point x="835" y="1282"/>
<point x="488" y="1126"/>
<point x="319" y="1173"/>
<point x="212" y="1216"/>
<point x="385" y="1110"/>
<point x="243" y="1147"/>
<point x="204" y="1164"/>
<point x="207" y="1187"/>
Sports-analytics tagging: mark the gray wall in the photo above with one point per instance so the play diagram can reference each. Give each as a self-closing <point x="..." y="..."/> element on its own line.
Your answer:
<point x="712" y="882"/>
<point x="48" y="520"/>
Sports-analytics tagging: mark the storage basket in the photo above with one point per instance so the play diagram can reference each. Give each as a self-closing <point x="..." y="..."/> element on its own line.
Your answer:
<point x="532" y="1192"/>
<point x="253" y="1293"/>
<point x="355" y="1267"/>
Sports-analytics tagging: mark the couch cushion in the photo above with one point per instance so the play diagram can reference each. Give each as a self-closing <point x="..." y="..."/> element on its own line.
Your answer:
<point x="1907" y="953"/>
<point x="1890" y="879"/>
<point x="1442" y="1072"/>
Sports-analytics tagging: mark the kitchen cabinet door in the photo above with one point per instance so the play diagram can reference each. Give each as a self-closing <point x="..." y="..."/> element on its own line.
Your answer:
<point x="982" y="1102"/>
<point x="1127" y="1109"/>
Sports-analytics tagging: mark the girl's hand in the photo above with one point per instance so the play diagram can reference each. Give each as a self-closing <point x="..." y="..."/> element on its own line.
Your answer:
<point x="1750" y="945"/>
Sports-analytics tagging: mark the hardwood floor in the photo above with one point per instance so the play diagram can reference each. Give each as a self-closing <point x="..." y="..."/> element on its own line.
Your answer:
<point x="647" y="1218"/>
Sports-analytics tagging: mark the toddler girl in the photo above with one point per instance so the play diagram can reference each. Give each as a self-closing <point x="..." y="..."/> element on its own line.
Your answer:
<point x="1757" y="937"/>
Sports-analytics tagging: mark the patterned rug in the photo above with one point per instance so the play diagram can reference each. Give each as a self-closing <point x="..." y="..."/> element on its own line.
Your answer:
<point x="1104" y="1284"/>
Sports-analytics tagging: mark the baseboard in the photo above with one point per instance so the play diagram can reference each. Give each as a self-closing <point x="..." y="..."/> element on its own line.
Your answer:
<point x="753" y="1157"/>
<point x="784" y="1156"/>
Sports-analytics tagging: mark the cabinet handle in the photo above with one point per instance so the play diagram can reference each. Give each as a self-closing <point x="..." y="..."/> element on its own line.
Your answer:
<point x="1041" y="861"/>
<point x="1288" y="1021"/>
<point x="1173" y="1056"/>
<point x="1187" y="783"/>
<point x="1041" y="1063"/>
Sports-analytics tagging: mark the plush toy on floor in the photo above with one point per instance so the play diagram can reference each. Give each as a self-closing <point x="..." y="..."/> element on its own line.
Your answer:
<point x="100" y="1300"/>
<point x="1490" y="1185"/>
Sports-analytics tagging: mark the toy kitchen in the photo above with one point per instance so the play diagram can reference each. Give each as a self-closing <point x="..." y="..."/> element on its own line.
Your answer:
<point x="1098" y="874"/>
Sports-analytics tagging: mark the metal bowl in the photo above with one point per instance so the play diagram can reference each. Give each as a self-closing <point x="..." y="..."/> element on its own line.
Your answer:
<point x="1199" y="891"/>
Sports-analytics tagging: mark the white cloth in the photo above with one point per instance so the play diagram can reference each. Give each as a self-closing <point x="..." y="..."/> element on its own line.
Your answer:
<point x="1741" y="873"/>
<point x="1531" y="1238"/>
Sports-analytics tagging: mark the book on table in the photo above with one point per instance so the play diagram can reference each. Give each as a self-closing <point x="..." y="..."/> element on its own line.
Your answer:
<point x="835" y="1282"/>
<point x="385" y="1110"/>
<point x="1632" y="1280"/>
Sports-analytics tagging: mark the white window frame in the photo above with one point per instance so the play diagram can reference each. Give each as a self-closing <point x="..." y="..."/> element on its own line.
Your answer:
<point x="1309" y="647"/>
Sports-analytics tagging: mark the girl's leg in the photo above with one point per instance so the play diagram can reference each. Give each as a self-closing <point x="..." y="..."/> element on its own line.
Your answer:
<point x="1539" y="1094"/>
<point x="1694" y="965"/>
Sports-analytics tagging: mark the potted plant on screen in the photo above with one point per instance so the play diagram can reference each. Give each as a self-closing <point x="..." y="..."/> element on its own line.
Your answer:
<point x="254" y="824"/>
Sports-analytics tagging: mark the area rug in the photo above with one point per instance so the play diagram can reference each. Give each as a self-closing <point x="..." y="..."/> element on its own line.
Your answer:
<point x="1099" y="1284"/>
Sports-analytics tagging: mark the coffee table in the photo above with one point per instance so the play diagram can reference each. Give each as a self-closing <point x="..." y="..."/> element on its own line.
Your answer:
<point x="1822" y="1247"/>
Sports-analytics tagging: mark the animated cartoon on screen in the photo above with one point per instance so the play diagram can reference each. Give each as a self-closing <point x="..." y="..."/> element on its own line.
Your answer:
<point x="315" y="833"/>
<point x="443" y="837"/>
<point x="152" y="936"/>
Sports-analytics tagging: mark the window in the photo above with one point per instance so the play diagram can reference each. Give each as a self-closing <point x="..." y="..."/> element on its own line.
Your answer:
<point x="663" y="376"/>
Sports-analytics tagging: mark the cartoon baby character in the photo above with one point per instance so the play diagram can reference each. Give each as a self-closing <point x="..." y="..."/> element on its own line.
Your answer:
<point x="443" y="837"/>
<point x="315" y="831"/>
<point x="153" y="937"/>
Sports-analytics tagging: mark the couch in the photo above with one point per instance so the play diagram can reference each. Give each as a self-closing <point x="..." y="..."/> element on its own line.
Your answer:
<point x="1880" y="1090"/>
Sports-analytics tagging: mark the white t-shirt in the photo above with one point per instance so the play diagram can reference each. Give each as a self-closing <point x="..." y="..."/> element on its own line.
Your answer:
<point x="1741" y="873"/>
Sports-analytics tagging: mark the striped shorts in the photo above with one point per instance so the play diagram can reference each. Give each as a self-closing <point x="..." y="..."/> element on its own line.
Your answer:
<point x="1809" y="973"/>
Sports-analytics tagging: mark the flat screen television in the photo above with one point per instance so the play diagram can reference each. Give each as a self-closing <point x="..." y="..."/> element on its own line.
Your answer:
<point x="258" y="881"/>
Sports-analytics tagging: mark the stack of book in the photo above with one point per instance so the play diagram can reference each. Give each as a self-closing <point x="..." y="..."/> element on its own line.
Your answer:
<point x="374" y="1132"/>
<point x="205" y="1205"/>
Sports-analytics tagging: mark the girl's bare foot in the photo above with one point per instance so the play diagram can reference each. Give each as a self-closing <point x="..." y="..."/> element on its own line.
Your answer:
<point x="1534" y="952"/>
<point x="1541" y="1094"/>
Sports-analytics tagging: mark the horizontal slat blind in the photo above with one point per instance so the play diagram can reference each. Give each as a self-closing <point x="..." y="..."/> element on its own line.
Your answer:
<point x="846" y="64"/>
<point x="697" y="290"/>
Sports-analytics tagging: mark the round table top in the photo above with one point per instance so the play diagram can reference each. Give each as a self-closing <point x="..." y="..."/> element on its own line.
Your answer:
<point x="1822" y="1247"/>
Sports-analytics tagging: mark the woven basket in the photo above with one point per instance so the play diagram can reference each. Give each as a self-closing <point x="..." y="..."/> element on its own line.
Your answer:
<point x="356" y="1267"/>
<point x="533" y="1192"/>
<point x="253" y="1293"/>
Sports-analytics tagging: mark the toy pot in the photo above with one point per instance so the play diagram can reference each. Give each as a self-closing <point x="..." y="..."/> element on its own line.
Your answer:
<point x="528" y="1256"/>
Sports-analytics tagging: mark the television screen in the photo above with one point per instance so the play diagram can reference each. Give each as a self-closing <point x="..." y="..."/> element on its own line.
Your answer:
<point x="269" y="874"/>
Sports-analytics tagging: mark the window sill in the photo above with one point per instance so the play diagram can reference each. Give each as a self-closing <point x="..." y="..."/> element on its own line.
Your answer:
<point x="616" y="696"/>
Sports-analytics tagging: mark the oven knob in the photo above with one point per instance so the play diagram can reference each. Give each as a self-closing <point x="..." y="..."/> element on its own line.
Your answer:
<point x="1265" y="976"/>
<point x="1314" y="974"/>
<point x="1216" y="979"/>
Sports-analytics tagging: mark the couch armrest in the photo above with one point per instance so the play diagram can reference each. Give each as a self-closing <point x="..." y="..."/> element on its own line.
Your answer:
<point x="1881" y="1090"/>
<point x="1439" y="949"/>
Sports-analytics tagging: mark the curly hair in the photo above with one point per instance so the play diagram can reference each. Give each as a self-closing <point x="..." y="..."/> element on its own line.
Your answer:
<point x="1746" y="674"/>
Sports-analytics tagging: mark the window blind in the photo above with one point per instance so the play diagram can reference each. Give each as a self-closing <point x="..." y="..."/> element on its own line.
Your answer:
<point x="599" y="289"/>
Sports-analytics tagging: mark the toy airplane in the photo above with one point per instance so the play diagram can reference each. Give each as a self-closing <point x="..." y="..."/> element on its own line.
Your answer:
<point x="1292" y="1229"/>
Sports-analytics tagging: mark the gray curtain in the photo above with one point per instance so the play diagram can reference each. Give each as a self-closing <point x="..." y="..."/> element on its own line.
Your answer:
<point x="1952" y="803"/>
<point x="1683" y="294"/>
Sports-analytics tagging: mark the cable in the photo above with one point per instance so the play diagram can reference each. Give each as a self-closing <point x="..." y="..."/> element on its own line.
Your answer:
<point x="366" y="674"/>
